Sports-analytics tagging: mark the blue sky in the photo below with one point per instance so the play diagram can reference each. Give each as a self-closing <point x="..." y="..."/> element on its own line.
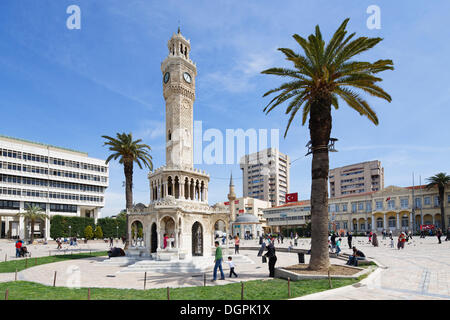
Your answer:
<point x="68" y="87"/>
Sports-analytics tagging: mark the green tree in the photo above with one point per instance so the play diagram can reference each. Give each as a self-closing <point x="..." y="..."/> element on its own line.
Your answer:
<point x="128" y="152"/>
<point x="140" y="233"/>
<point x="33" y="214"/>
<point x="88" y="233"/>
<point x="321" y="75"/>
<point x="441" y="181"/>
<point x="98" y="233"/>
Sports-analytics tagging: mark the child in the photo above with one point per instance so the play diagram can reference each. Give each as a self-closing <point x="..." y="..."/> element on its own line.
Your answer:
<point x="231" y="265"/>
<point x="338" y="246"/>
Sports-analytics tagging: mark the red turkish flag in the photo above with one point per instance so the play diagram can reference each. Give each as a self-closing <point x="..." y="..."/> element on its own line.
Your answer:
<point x="291" y="197"/>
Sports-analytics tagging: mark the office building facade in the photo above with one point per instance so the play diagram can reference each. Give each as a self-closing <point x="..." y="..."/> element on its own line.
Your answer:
<point x="265" y="176"/>
<point x="60" y="181"/>
<point x="356" y="178"/>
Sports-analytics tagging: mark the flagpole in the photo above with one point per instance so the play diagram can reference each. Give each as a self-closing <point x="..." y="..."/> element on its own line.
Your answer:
<point x="421" y="213"/>
<point x="413" y="204"/>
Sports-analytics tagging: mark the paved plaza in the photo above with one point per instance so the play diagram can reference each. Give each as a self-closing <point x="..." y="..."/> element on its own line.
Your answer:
<point x="420" y="271"/>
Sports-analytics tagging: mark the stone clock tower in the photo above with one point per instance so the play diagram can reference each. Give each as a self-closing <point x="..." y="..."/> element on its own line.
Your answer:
<point x="178" y="74"/>
<point x="178" y="223"/>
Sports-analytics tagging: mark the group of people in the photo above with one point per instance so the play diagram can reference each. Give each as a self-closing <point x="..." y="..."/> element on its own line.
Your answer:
<point x="270" y="255"/>
<point x="73" y="241"/>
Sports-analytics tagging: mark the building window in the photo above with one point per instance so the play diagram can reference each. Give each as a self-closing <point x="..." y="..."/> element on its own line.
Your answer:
<point x="353" y="207"/>
<point x="404" y="203"/>
<point x="361" y="206"/>
<point x="379" y="223"/>
<point x="391" y="222"/>
<point x="436" y="201"/>
<point x="419" y="202"/>
<point x="344" y="207"/>
<point x="379" y="205"/>
<point x="391" y="204"/>
<point x="405" y="221"/>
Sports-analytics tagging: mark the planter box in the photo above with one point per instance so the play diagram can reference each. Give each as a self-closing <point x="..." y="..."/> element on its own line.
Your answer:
<point x="284" y="274"/>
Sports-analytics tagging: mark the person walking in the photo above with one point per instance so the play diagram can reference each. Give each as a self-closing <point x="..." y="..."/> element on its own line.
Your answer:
<point x="448" y="234"/>
<point x="231" y="265"/>
<point x="111" y="241"/>
<point x="375" y="239"/>
<point x="338" y="246"/>
<point x="333" y="242"/>
<point x="296" y="240"/>
<point x="439" y="235"/>
<point x="272" y="258"/>
<point x="18" y="246"/>
<point x="236" y="245"/>
<point x="349" y="240"/>
<point x="392" y="241"/>
<point x="218" y="262"/>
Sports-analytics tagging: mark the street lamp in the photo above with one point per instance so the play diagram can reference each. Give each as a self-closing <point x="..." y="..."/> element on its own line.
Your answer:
<point x="117" y="228"/>
<point x="70" y="229"/>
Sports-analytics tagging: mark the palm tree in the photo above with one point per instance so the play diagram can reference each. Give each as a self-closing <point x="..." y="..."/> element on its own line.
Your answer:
<point x="128" y="152"/>
<point x="32" y="214"/>
<point x="320" y="76"/>
<point x="441" y="181"/>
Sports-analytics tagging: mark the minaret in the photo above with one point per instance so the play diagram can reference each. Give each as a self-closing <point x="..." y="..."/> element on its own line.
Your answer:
<point x="231" y="198"/>
<point x="179" y="73"/>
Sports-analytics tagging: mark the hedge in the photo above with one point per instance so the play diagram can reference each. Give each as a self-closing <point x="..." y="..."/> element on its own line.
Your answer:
<point x="59" y="226"/>
<point x="109" y="227"/>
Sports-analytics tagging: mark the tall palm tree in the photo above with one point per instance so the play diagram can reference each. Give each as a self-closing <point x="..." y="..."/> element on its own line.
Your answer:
<point x="320" y="76"/>
<point x="441" y="181"/>
<point x="128" y="152"/>
<point x="32" y="214"/>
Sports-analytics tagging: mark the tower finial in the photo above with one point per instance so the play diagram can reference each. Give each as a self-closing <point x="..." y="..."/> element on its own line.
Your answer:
<point x="231" y="179"/>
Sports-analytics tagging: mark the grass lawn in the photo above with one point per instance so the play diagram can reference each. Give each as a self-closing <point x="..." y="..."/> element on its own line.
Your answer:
<point x="11" y="266"/>
<point x="273" y="289"/>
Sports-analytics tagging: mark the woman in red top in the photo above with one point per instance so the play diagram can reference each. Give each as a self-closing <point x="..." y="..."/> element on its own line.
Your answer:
<point x="166" y="238"/>
<point x="236" y="245"/>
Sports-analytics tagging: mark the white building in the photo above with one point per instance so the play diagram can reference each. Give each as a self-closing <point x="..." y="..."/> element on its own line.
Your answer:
<point x="356" y="178"/>
<point x="252" y="206"/>
<point x="61" y="181"/>
<point x="265" y="175"/>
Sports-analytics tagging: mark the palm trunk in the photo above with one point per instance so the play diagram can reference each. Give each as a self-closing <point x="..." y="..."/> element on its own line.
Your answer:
<point x="441" y="202"/>
<point x="32" y="231"/>
<point x="128" y="171"/>
<point x="320" y="130"/>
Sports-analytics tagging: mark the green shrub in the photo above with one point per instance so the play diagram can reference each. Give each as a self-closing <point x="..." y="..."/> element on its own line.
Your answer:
<point x="98" y="233"/>
<point x="88" y="233"/>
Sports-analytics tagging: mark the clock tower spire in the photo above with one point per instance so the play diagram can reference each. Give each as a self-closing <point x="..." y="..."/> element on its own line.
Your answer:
<point x="179" y="73"/>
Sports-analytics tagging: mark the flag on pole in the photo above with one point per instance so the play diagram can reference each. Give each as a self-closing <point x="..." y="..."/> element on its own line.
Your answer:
<point x="291" y="197"/>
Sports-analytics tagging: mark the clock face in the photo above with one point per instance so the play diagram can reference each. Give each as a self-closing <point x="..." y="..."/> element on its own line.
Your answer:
<point x="187" y="77"/>
<point x="166" y="77"/>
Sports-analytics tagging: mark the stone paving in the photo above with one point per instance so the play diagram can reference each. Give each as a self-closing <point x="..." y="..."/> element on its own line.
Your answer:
<point x="88" y="273"/>
<point x="420" y="271"/>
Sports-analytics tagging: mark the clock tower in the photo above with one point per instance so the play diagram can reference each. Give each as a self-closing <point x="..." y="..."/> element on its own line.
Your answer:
<point x="178" y="77"/>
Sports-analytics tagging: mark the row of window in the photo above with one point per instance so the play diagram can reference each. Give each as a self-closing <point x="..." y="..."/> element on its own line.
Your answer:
<point x="49" y="183"/>
<point x="52" y="172"/>
<point x="351" y="173"/>
<point x="289" y="218"/>
<point x="52" y="195"/>
<point x="45" y="159"/>
<point x="55" y="207"/>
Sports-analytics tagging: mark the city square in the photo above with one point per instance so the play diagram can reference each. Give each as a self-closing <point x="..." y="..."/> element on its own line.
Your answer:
<point x="181" y="168"/>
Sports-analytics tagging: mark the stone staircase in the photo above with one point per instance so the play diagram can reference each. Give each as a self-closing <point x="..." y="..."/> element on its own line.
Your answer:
<point x="196" y="265"/>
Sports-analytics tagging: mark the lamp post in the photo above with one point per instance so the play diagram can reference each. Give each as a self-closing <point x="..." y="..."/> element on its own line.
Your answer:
<point x="117" y="229"/>
<point x="70" y="229"/>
